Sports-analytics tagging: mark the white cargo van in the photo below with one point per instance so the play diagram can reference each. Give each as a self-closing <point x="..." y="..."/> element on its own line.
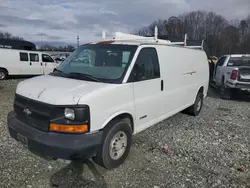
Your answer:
<point x="23" y="62"/>
<point x="105" y="92"/>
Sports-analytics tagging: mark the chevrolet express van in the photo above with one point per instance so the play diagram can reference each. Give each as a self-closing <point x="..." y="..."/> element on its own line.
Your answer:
<point x="104" y="93"/>
<point x="25" y="63"/>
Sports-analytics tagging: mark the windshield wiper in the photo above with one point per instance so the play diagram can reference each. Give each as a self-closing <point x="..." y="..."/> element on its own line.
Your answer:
<point x="61" y="72"/>
<point x="85" y="76"/>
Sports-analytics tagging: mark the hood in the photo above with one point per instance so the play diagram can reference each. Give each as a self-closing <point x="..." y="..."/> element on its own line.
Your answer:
<point x="57" y="90"/>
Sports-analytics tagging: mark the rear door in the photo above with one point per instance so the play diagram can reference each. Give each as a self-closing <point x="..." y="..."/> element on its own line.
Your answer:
<point x="35" y="64"/>
<point x="147" y="86"/>
<point x="48" y="64"/>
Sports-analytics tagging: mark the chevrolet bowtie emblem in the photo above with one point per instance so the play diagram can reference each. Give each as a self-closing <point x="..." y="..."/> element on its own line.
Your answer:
<point x="27" y="111"/>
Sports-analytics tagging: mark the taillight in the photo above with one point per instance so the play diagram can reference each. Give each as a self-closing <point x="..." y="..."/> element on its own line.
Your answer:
<point x="234" y="74"/>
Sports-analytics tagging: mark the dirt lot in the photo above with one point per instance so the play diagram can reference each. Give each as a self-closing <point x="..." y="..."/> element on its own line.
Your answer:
<point x="208" y="151"/>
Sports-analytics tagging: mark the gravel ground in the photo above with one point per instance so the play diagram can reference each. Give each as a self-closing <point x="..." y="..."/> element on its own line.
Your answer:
<point x="212" y="150"/>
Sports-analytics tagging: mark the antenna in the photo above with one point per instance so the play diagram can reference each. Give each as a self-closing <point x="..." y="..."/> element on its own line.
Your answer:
<point x="77" y="41"/>
<point x="156" y="33"/>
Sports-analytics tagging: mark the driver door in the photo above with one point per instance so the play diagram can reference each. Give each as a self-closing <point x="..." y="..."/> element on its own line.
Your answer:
<point x="148" y="88"/>
<point x="217" y="73"/>
<point x="48" y="64"/>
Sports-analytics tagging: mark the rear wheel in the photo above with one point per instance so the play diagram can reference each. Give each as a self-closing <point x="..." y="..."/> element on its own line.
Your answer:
<point x="195" y="109"/>
<point x="3" y="74"/>
<point x="117" y="140"/>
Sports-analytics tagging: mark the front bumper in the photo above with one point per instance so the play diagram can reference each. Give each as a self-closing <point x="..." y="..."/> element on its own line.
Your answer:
<point x="54" y="145"/>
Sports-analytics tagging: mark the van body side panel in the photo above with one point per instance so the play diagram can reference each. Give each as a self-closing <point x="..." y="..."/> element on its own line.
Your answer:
<point x="10" y="61"/>
<point x="109" y="102"/>
<point x="184" y="72"/>
<point x="199" y="69"/>
<point x="177" y="65"/>
<point x="202" y="77"/>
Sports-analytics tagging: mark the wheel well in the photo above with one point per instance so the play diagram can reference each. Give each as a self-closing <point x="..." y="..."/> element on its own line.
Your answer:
<point x="4" y="69"/>
<point x="122" y="116"/>
<point x="201" y="90"/>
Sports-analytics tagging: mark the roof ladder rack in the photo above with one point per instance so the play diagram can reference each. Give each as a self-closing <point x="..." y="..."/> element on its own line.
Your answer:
<point x="118" y="36"/>
<point x="198" y="47"/>
<point x="179" y="43"/>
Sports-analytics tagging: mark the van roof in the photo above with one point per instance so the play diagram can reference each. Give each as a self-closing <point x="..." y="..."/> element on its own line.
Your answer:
<point x="125" y="42"/>
<point x="146" y="42"/>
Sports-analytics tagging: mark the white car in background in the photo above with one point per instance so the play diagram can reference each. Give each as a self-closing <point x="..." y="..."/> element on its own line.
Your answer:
<point x="25" y="63"/>
<point x="231" y="73"/>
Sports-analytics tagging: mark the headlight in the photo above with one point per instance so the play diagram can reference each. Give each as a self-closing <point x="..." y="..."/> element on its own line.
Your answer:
<point x="69" y="113"/>
<point x="70" y="119"/>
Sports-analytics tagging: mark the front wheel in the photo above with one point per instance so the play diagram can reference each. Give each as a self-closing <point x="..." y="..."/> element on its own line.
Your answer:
<point x="116" y="144"/>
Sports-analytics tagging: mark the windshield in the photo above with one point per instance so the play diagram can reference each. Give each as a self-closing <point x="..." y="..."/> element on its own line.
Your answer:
<point x="105" y="62"/>
<point x="239" y="61"/>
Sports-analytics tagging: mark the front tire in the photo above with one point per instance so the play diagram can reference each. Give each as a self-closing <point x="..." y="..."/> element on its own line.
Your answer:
<point x="116" y="144"/>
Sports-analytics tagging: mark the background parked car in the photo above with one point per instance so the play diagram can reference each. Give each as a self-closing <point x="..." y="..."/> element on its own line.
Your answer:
<point x="232" y="73"/>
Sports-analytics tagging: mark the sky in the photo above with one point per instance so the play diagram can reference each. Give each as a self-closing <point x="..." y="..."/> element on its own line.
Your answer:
<point x="60" y="21"/>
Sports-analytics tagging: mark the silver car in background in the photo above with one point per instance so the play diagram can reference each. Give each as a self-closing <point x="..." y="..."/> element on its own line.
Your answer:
<point x="231" y="73"/>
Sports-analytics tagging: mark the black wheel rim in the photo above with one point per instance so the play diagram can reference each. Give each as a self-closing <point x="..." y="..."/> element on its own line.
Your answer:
<point x="2" y="75"/>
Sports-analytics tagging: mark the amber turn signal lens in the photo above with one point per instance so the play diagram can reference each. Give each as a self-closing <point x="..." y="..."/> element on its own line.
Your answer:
<point x="68" y="128"/>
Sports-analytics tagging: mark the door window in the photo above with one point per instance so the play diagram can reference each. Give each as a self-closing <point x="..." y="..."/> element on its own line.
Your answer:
<point x="34" y="57"/>
<point x="47" y="59"/>
<point x="24" y="56"/>
<point x="146" y="66"/>
<point x="221" y="61"/>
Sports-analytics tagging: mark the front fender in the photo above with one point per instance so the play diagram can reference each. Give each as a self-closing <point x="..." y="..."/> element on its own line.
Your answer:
<point x="113" y="116"/>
